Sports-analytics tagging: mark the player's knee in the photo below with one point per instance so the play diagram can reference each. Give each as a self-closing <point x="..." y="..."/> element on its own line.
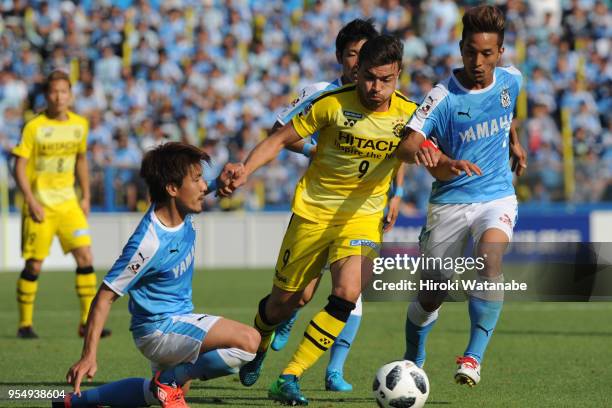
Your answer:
<point x="83" y="258"/>
<point x="350" y="294"/>
<point x="339" y="308"/>
<point x="304" y="300"/>
<point x="492" y="265"/>
<point x="249" y="340"/>
<point x="33" y="267"/>
<point x="279" y="309"/>
<point x="430" y="305"/>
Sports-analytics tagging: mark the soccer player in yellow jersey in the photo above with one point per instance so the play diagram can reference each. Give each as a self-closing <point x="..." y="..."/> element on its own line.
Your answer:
<point x="337" y="208"/>
<point x="52" y="149"/>
<point x="348" y="43"/>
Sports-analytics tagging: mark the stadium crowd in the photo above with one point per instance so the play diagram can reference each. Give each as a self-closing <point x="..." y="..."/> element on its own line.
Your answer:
<point x="215" y="73"/>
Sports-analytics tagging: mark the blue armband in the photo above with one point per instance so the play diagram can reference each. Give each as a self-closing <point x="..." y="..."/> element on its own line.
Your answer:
<point x="307" y="149"/>
<point x="399" y="191"/>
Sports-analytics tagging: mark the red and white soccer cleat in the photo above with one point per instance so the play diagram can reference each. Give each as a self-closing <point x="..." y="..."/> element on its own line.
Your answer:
<point x="468" y="371"/>
<point x="170" y="396"/>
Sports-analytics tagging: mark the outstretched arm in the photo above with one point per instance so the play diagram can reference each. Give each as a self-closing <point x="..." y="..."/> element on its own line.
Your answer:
<point x="87" y="365"/>
<point x="297" y="147"/>
<point x="265" y="151"/>
<point x="414" y="148"/>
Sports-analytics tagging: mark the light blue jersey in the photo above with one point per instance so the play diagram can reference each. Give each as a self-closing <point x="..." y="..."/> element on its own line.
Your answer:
<point x="306" y="96"/>
<point x="472" y="125"/>
<point x="156" y="269"/>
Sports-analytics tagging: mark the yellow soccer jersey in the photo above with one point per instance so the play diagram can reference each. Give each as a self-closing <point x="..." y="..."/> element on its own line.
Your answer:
<point x="51" y="147"/>
<point x="355" y="161"/>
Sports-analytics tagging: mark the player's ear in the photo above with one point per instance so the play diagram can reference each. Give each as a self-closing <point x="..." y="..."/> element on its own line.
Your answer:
<point x="339" y="57"/>
<point x="172" y="190"/>
<point x="461" y="46"/>
<point x="501" y="52"/>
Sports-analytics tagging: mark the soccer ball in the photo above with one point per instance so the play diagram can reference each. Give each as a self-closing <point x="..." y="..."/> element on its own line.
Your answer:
<point x="400" y="384"/>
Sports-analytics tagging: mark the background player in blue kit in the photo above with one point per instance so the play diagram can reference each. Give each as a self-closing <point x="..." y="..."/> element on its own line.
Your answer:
<point x="156" y="269"/>
<point x="461" y="132"/>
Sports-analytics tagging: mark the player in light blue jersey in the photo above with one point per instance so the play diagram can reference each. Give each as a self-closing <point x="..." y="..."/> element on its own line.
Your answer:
<point x="156" y="269"/>
<point x="463" y="134"/>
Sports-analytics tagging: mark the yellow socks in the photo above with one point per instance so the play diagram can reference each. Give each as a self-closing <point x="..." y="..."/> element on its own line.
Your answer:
<point x="265" y="329"/>
<point x="27" y="286"/>
<point x="320" y="335"/>
<point x="86" y="285"/>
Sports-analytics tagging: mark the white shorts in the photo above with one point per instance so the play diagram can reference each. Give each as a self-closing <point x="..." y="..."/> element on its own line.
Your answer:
<point x="449" y="226"/>
<point x="177" y="340"/>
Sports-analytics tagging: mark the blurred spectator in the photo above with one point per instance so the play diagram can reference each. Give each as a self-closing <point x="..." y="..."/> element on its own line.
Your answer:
<point x="126" y="161"/>
<point x="216" y="73"/>
<point x="541" y="128"/>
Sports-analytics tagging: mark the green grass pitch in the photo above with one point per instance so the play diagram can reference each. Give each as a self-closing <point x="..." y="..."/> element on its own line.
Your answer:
<point x="542" y="354"/>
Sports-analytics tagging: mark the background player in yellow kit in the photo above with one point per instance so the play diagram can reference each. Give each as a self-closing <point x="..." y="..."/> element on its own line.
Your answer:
<point x="52" y="150"/>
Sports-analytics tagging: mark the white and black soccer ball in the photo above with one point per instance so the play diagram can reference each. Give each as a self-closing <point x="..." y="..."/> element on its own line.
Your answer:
<point x="400" y="384"/>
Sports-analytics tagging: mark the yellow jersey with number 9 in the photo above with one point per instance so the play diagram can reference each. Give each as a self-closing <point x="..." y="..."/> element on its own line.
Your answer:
<point x="355" y="161"/>
<point x="51" y="147"/>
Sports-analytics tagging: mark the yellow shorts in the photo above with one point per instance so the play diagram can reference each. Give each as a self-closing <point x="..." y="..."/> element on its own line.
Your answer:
<point x="66" y="220"/>
<point x="308" y="246"/>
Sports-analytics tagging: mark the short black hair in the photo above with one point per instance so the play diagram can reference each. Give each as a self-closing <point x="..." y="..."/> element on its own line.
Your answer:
<point x="382" y="50"/>
<point x="56" y="75"/>
<point x="484" y="19"/>
<point x="169" y="163"/>
<point x="356" y="30"/>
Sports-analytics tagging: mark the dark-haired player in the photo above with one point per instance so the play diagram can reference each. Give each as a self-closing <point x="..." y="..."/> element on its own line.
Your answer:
<point x="156" y="269"/>
<point x="462" y="133"/>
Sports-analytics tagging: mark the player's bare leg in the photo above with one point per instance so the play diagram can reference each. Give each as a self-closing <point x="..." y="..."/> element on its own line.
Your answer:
<point x="281" y="335"/>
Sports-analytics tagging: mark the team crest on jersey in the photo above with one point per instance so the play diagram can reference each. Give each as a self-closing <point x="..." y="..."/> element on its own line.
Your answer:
<point x="398" y="127"/>
<point x="505" y="98"/>
<point x="77" y="134"/>
<point x="47" y="132"/>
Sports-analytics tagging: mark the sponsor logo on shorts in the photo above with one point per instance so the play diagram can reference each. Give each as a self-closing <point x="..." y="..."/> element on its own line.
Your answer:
<point x="364" y="242"/>
<point x="506" y="220"/>
<point x="80" y="232"/>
